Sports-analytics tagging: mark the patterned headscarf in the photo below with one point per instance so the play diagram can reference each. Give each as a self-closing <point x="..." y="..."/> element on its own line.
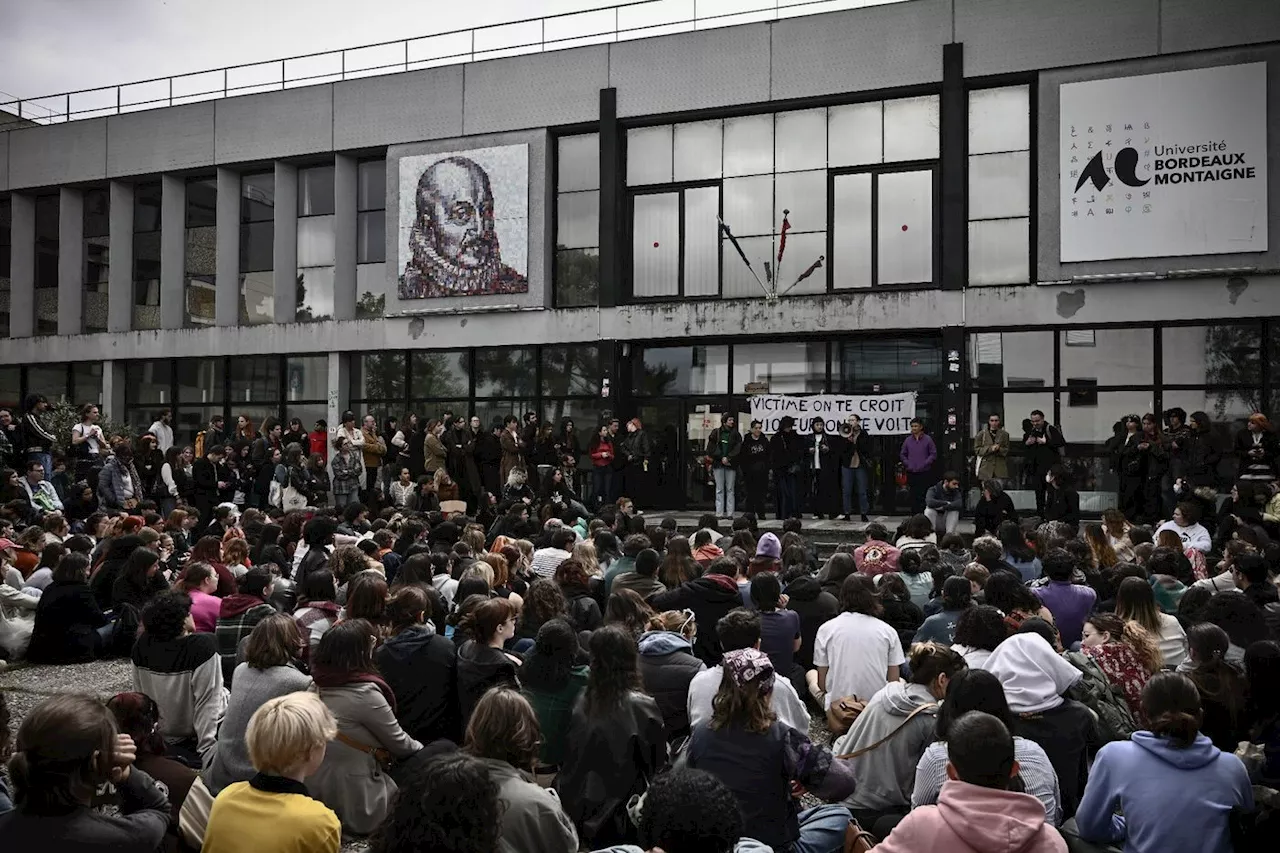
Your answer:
<point x="749" y="664"/>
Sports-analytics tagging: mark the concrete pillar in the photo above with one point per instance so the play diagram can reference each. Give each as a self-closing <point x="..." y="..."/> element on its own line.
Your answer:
<point x="345" y="191"/>
<point x="113" y="385"/>
<point x="284" y="256"/>
<point x="70" y="261"/>
<point x="22" y="266"/>
<point x="173" y="250"/>
<point x="120" y="274"/>
<point x="226" y="300"/>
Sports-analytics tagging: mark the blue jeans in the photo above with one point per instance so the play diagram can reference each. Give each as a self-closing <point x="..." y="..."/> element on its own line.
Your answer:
<point x="822" y="829"/>
<point x="601" y="484"/>
<point x="849" y="478"/>
<point x="45" y="459"/>
<point x="787" y="503"/>
<point x="726" y="482"/>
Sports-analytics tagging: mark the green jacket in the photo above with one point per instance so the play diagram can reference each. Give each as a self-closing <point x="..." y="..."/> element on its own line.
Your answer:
<point x="554" y="711"/>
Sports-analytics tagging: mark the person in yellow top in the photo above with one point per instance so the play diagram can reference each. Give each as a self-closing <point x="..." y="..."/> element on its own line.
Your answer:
<point x="272" y="812"/>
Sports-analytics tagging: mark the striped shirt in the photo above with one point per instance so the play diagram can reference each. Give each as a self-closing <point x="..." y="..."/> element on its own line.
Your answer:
<point x="1038" y="776"/>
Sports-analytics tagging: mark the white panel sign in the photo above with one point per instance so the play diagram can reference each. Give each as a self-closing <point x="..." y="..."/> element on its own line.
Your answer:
<point x="880" y="414"/>
<point x="1164" y="164"/>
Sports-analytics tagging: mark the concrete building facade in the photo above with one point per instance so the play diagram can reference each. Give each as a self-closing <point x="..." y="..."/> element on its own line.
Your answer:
<point x="241" y="255"/>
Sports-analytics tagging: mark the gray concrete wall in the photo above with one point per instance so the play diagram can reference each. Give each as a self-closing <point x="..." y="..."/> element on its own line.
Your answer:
<point x="22" y="266"/>
<point x="398" y="108"/>
<point x="4" y="160"/>
<point x="692" y="71"/>
<point x="1199" y="25"/>
<point x="274" y="124"/>
<point x="345" y="249"/>
<point x="543" y="90"/>
<point x="56" y="154"/>
<point x="164" y="140"/>
<point x="1048" y="234"/>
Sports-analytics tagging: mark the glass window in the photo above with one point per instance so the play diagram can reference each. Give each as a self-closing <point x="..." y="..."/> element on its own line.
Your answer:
<point x="146" y="280"/>
<point x="1094" y="417"/>
<point x="11" y="386"/>
<point x="257" y="298"/>
<point x="911" y="129"/>
<point x="572" y="371"/>
<point x="701" y="241"/>
<point x="800" y="140"/>
<point x="307" y="378"/>
<point x="649" y="155"/>
<point x="46" y="249"/>
<point x="998" y="251"/>
<point x="851" y="266"/>
<point x="200" y="261"/>
<point x="371" y="285"/>
<point x="748" y="145"/>
<point x="905" y="238"/>
<point x="49" y="380"/>
<point x="682" y="370"/>
<point x="577" y="277"/>
<point x="748" y="205"/>
<point x="804" y="194"/>
<point x="371" y="185"/>
<point x="378" y="376"/>
<point x="697" y="150"/>
<point x="202" y="202"/>
<point x="1011" y="359"/>
<point x="738" y="280"/>
<point x="1110" y="357"/>
<point x="655" y="244"/>
<point x="371" y="236"/>
<point x="578" y="162"/>
<point x="1228" y="412"/>
<point x="578" y="220"/>
<point x="258" y="197"/>
<point x="6" y="256"/>
<point x="802" y="251"/>
<point x="998" y="120"/>
<point x="257" y="246"/>
<point x="855" y="134"/>
<point x="490" y="411"/>
<point x="315" y="294"/>
<point x="149" y="382"/>
<point x="315" y="241"/>
<point x="434" y="374"/>
<point x="255" y="379"/>
<point x="784" y="368"/>
<point x="315" y="191"/>
<point x="1222" y="354"/>
<point x="889" y="365"/>
<point x="146" y="206"/>
<point x="999" y="185"/>
<point x="86" y="382"/>
<point x="308" y="413"/>
<point x="201" y="380"/>
<point x="505" y="373"/>
<point x="97" y="230"/>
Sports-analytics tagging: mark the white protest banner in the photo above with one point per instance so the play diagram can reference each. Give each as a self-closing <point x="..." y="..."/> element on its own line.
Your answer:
<point x="881" y="414"/>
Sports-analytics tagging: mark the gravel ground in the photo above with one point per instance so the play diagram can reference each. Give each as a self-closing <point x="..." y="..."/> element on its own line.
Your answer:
<point x="26" y="686"/>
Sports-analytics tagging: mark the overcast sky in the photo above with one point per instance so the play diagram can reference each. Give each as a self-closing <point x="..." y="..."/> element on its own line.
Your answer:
<point x="52" y="46"/>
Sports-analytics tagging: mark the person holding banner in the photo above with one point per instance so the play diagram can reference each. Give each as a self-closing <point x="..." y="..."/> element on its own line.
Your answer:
<point x="825" y="455"/>
<point x="855" y="459"/>
<point x="918" y="455"/>
<point x="723" y="446"/>
<point x="754" y="455"/>
<point x="787" y="452"/>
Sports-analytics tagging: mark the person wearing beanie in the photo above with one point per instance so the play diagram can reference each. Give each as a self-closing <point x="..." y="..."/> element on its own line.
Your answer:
<point x="769" y="546"/>
<point x="644" y="579"/>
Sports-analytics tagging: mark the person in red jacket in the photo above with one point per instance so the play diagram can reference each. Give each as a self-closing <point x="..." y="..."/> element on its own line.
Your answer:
<point x="602" y="455"/>
<point x="320" y="440"/>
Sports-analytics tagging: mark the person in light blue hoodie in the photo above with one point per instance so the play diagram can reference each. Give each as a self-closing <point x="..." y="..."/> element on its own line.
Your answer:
<point x="690" y="811"/>
<point x="1169" y="789"/>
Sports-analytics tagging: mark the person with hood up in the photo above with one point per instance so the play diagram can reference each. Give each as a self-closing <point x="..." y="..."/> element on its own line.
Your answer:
<point x="239" y="614"/>
<point x="723" y="446"/>
<point x="481" y="633"/>
<point x="705" y="550"/>
<point x="976" y="811"/>
<point x="760" y="758"/>
<point x="786" y="451"/>
<point x="1168" y="770"/>
<point x="421" y="667"/>
<point x="709" y="597"/>
<point x="668" y="667"/>
<point x="892" y="733"/>
<point x="993" y="509"/>
<point x="1035" y="677"/>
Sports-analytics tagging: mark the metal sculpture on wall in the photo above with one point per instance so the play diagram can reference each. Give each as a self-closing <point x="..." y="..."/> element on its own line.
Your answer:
<point x="464" y="223"/>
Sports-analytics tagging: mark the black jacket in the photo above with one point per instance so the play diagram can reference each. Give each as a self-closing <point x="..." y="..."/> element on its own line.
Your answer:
<point x="1061" y="503"/>
<point x="581" y="608"/>
<point x="422" y="669"/>
<point x="67" y="619"/>
<point x="666" y="669"/>
<point x="815" y="607"/>
<point x="861" y="443"/>
<point x="713" y="446"/>
<point x="102" y="583"/>
<point x="479" y="668"/>
<point x="988" y="515"/>
<point x="608" y="758"/>
<point x="1040" y="457"/>
<point x="787" y="449"/>
<point x="709" y="597"/>
<point x="755" y="454"/>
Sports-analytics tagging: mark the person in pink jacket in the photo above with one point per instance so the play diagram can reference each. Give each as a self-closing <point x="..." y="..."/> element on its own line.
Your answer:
<point x="978" y="810"/>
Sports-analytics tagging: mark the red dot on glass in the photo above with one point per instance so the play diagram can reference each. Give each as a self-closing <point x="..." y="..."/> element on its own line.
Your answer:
<point x="904" y="228"/>
<point x="655" y="244"/>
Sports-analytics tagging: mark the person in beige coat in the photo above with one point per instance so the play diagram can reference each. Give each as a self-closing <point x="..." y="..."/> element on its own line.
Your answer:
<point x="991" y="446"/>
<point x="353" y="780"/>
<point x="434" y="453"/>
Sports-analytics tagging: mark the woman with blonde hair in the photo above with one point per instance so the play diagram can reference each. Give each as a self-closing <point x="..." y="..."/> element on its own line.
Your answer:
<point x="1125" y="652"/>
<point x="501" y="584"/>
<point x="1117" y="529"/>
<point x="446" y="488"/>
<point x="585" y="552"/>
<point x="1136" y="601"/>
<point x="1104" y="555"/>
<point x="626" y="609"/>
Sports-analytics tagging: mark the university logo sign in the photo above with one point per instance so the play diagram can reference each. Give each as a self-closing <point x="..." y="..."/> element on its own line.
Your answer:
<point x="1164" y="164"/>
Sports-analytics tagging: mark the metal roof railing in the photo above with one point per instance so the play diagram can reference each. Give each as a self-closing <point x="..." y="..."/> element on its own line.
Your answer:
<point x="616" y="23"/>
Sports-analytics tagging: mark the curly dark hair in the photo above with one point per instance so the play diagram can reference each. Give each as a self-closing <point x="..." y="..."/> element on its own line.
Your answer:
<point x="614" y="669"/>
<point x="546" y="668"/>
<point x="1006" y="592"/>
<point x="450" y="804"/>
<point x="981" y="627"/>
<point x="164" y="616"/>
<point x="543" y="602"/>
<point x="690" y="811"/>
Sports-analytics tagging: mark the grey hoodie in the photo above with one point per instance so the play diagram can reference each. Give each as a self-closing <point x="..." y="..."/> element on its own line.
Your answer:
<point x="744" y="845"/>
<point x="886" y="775"/>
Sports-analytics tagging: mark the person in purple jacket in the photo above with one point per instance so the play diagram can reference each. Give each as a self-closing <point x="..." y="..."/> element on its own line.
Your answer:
<point x="918" y="455"/>
<point x="1071" y="604"/>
